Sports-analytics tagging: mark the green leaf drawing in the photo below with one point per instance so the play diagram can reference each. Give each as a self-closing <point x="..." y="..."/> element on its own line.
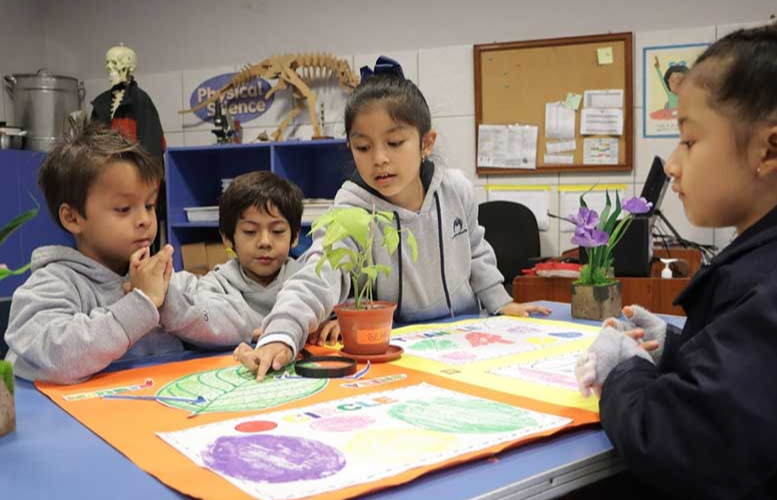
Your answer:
<point x="463" y="416"/>
<point x="433" y="345"/>
<point x="236" y="389"/>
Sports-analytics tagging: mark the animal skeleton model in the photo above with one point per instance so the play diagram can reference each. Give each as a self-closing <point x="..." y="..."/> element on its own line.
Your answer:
<point x="296" y="71"/>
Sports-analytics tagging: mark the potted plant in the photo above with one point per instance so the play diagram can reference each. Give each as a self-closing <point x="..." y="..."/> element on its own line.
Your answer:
<point x="597" y="294"/>
<point x="365" y="324"/>
<point x="7" y="407"/>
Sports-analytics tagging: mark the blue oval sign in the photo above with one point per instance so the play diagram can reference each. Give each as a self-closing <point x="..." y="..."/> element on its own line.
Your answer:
<point x="245" y="103"/>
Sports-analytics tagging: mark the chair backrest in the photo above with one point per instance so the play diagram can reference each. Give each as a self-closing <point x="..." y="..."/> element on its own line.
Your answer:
<point x="511" y="229"/>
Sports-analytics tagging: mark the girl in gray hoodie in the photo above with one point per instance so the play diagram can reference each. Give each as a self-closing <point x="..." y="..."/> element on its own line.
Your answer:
<point x="388" y="126"/>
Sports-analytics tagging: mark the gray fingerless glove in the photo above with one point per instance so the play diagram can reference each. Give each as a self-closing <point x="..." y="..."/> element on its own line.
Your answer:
<point x="611" y="348"/>
<point x="653" y="326"/>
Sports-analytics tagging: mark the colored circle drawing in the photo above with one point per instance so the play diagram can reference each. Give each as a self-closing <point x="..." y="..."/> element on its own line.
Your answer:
<point x="462" y="416"/>
<point x="273" y="459"/>
<point x="235" y="389"/>
<point x="256" y="426"/>
<point x="344" y="423"/>
<point x="399" y="446"/>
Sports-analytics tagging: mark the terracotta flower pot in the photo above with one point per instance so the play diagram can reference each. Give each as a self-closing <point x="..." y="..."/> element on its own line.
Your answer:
<point x="596" y="301"/>
<point x="366" y="331"/>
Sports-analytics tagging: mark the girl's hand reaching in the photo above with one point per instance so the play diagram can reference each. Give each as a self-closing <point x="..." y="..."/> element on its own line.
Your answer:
<point x="328" y="333"/>
<point x="523" y="310"/>
<point x="644" y="327"/>
<point x="274" y="355"/>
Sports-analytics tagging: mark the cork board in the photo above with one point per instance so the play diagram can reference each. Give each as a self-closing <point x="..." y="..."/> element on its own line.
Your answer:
<point x="514" y="81"/>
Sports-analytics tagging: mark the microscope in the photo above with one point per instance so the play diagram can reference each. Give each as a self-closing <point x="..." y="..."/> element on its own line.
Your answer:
<point x="225" y="131"/>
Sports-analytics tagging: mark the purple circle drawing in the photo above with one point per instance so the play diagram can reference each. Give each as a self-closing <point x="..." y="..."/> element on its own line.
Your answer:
<point x="344" y="423"/>
<point x="273" y="459"/>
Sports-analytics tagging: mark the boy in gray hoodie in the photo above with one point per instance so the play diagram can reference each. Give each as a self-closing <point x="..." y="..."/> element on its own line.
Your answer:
<point x="260" y="218"/>
<point x="73" y="317"/>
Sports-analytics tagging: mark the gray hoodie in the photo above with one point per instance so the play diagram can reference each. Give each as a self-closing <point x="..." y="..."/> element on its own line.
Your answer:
<point x="455" y="274"/>
<point x="71" y="319"/>
<point x="223" y="307"/>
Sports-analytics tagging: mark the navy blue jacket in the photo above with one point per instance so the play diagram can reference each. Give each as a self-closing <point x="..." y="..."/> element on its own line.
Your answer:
<point x="703" y="424"/>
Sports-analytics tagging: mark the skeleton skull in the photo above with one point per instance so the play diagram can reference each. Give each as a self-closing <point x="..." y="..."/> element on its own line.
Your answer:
<point x="120" y="61"/>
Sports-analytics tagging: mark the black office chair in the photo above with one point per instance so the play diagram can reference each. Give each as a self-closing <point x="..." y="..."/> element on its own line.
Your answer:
<point x="512" y="231"/>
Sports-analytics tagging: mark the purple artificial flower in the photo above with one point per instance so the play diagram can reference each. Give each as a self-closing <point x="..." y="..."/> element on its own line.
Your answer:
<point x="585" y="218"/>
<point x="590" y="238"/>
<point x="636" y="205"/>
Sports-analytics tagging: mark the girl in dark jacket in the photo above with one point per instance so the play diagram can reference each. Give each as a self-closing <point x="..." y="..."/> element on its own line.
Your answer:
<point x="697" y="417"/>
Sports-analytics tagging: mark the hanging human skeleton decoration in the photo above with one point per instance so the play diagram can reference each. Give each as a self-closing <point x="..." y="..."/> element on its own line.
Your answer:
<point x="120" y="62"/>
<point x="125" y="106"/>
<point x="295" y="71"/>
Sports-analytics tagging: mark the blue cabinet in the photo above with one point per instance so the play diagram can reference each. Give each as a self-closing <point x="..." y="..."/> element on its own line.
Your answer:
<point x="194" y="179"/>
<point x="19" y="170"/>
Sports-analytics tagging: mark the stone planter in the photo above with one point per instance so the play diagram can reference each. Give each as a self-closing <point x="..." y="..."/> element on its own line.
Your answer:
<point x="7" y="408"/>
<point x="596" y="301"/>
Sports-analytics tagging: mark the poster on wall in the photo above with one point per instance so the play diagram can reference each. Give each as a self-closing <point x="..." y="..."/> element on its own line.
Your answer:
<point x="663" y="68"/>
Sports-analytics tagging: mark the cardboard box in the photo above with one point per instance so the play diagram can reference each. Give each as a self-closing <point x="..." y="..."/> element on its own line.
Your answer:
<point x="195" y="258"/>
<point x="199" y="258"/>
<point x="217" y="254"/>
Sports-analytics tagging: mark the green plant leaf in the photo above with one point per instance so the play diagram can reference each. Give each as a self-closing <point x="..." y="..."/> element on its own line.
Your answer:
<point x="16" y="222"/>
<point x="334" y="233"/>
<point x="356" y="223"/>
<point x="613" y="219"/>
<point x="386" y="217"/>
<point x="606" y="212"/>
<point x="390" y="239"/>
<point x="324" y="220"/>
<point x="582" y="196"/>
<point x="4" y="273"/>
<point x="383" y="269"/>
<point x="371" y="272"/>
<point x="337" y="255"/>
<point x="411" y="242"/>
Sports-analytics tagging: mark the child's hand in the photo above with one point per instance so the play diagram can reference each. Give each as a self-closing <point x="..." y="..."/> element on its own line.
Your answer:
<point x="610" y="348"/>
<point x="260" y="360"/>
<point x="643" y="326"/>
<point x="151" y="275"/>
<point x="523" y="310"/>
<point x="328" y="332"/>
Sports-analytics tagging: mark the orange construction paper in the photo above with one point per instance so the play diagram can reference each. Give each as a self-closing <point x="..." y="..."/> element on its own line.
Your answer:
<point x="130" y="425"/>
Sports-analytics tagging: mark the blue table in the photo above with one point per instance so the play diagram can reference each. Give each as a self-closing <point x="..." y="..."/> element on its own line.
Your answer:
<point x="51" y="455"/>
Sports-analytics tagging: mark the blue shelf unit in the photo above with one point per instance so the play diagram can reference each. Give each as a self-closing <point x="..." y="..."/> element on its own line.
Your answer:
<point x="18" y="193"/>
<point x="194" y="174"/>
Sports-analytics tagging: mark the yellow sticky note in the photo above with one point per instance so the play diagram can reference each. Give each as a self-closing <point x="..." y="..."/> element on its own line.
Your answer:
<point x="604" y="55"/>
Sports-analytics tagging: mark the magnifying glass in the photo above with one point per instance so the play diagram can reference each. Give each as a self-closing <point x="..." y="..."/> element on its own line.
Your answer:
<point x="324" y="366"/>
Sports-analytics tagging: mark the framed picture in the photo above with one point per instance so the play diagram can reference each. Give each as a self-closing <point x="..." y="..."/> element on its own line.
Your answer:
<point x="663" y="68"/>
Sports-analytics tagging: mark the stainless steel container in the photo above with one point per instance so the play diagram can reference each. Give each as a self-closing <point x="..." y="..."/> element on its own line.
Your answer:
<point x="41" y="103"/>
<point x="11" y="137"/>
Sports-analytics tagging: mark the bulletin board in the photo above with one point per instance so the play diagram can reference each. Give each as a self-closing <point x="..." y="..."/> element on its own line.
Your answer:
<point x="515" y="80"/>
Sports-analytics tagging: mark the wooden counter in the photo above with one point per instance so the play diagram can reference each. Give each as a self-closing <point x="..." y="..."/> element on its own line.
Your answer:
<point x="653" y="293"/>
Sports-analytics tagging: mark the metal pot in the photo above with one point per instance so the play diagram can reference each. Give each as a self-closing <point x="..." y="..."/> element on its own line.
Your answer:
<point x="11" y="137"/>
<point x="41" y="103"/>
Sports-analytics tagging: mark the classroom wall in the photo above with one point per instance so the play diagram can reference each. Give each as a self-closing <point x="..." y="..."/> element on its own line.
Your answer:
<point x="181" y="43"/>
<point x="22" y="42"/>
<point x="189" y="34"/>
